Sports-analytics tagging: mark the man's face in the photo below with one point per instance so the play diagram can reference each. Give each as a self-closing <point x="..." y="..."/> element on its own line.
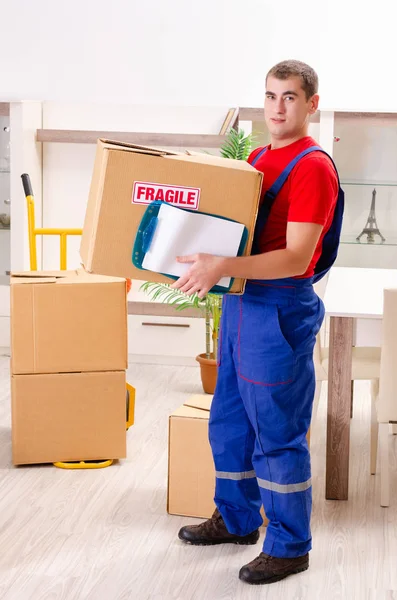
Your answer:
<point x="287" y="109"/>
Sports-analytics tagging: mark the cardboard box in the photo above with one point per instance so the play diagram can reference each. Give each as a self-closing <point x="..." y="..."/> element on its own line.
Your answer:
<point x="191" y="471"/>
<point x="67" y="321"/>
<point x="68" y="417"/>
<point x="126" y="178"/>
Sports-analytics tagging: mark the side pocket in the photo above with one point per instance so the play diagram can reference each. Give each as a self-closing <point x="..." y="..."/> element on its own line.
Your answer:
<point x="321" y="314"/>
<point x="265" y="356"/>
<point x="219" y="356"/>
<point x="285" y="335"/>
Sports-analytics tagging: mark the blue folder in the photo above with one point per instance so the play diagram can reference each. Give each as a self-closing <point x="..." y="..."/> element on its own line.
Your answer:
<point x="146" y="231"/>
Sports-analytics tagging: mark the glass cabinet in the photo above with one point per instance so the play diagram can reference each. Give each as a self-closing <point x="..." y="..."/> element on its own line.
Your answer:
<point x="365" y="153"/>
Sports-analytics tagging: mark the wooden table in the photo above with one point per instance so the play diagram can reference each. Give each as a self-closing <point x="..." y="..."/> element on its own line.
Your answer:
<point x="351" y="293"/>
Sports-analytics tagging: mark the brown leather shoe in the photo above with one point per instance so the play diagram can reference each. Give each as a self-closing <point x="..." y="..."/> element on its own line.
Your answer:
<point x="213" y="531"/>
<point x="269" y="569"/>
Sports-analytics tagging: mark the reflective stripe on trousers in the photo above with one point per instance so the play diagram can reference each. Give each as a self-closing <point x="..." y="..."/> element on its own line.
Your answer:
<point x="261" y="412"/>
<point x="266" y="485"/>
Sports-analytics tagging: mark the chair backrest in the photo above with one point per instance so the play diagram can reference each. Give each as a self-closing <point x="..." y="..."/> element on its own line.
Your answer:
<point x="387" y="402"/>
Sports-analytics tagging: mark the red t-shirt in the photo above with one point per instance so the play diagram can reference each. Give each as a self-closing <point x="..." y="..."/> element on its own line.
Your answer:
<point x="308" y="196"/>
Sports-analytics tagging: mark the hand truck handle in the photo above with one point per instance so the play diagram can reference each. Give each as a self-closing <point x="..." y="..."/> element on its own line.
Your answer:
<point x="27" y="186"/>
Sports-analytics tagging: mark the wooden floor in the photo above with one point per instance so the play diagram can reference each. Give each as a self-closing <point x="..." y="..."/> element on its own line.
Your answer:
<point x="105" y="534"/>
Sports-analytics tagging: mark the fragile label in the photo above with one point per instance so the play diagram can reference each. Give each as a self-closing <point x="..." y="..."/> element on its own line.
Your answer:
<point x="145" y="193"/>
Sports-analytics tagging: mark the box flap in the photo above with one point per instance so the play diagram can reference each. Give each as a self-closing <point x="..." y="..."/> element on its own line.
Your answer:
<point x="41" y="274"/>
<point x="196" y="406"/>
<point x="216" y="161"/>
<point x="93" y="278"/>
<point x="28" y="280"/>
<point x="72" y="276"/>
<point x="199" y="401"/>
<point x="38" y="276"/>
<point x="114" y="144"/>
<point x="189" y="412"/>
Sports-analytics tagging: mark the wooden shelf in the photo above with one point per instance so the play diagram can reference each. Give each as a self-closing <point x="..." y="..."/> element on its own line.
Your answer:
<point x="257" y="114"/>
<point x="4" y="109"/>
<point x="161" y="140"/>
<point x="68" y="136"/>
<point x="251" y="114"/>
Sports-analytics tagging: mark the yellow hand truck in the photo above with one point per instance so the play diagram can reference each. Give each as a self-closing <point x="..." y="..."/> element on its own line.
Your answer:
<point x="63" y="233"/>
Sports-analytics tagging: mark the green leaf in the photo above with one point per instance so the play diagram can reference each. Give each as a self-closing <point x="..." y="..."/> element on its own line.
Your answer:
<point x="237" y="145"/>
<point x="164" y="293"/>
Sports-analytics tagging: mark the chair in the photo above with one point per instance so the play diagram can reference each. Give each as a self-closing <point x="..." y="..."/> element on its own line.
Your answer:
<point x="365" y="360"/>
<point x="384" y="404"/>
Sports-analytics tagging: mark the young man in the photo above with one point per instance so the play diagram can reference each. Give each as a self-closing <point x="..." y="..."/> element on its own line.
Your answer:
<point x="262" y="405"/>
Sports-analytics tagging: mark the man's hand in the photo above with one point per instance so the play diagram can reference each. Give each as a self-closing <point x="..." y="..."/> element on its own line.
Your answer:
<point x="205" y="271"/>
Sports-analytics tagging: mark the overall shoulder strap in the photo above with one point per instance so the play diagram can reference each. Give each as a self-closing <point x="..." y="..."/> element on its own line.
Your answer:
<point x="257" y="157"/>
<point x="272" y="192"/>
<point x="282" y="178"/>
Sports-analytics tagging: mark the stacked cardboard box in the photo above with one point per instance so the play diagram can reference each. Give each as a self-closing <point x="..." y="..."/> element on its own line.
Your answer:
<point x="68" y="362"/>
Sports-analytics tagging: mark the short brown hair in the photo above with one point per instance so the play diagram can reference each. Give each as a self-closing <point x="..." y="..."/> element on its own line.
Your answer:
<point x="296" y="68"/>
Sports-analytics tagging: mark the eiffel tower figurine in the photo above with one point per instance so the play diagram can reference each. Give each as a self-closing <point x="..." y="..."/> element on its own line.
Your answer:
<point x="371" y="227"/>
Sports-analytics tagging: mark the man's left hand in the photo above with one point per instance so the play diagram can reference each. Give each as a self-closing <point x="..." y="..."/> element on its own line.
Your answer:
<point x="205" y="271"/>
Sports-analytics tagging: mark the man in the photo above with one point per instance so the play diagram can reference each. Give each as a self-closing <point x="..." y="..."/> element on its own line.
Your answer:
<point x="262" y="405"/>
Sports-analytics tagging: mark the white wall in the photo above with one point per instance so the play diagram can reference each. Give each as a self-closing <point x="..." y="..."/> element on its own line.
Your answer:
<point x="26" y="157"/>
<point x="212" y="52"/>
<point x="5" y="259"/>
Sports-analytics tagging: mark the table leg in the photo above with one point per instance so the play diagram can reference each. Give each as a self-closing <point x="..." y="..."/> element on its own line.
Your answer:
<point x="339" y="407"/>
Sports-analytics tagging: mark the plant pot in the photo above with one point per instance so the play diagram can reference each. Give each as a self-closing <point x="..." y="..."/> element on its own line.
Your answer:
<point x="209" y="373"/>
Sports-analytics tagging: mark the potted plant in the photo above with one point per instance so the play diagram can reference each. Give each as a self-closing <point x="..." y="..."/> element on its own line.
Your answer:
<point x="238" y="147"/>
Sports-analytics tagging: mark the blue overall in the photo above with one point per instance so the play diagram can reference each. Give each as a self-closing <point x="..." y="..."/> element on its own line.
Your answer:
<point x="262" y="406"/>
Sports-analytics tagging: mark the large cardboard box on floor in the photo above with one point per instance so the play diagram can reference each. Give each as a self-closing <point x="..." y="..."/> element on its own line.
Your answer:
<point x="191" y="471"/>
<point x="67" y="321"/>
<point x="68" y="417"/>
<point x="126" y="178"/>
